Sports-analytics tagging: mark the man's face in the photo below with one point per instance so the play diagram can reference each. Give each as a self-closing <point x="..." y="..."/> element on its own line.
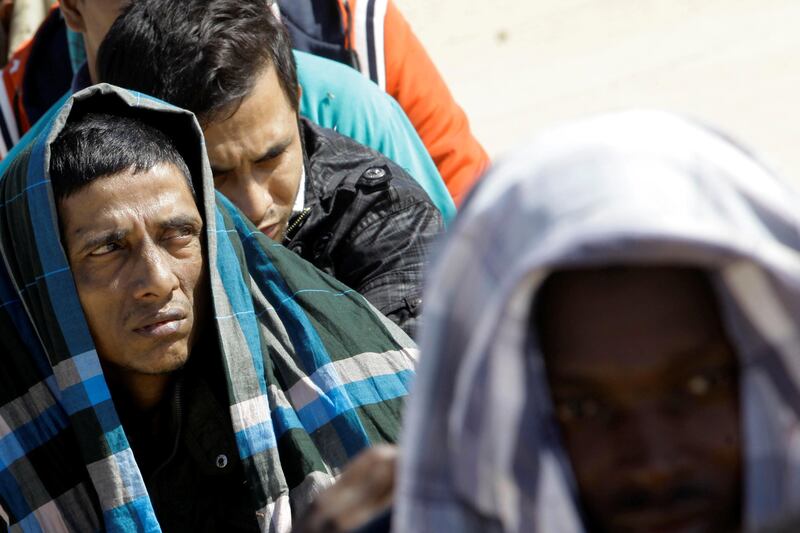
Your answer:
<point x="134" y="245"/>
<point x="645" y="390"/>
<point x="257" y="157"/>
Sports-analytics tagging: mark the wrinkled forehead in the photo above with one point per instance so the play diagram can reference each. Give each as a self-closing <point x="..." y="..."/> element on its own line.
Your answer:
<point x="152" y="200"/>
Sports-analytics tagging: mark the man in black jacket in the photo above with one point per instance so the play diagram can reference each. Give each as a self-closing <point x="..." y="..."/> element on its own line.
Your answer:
<point x="344" y="207"/>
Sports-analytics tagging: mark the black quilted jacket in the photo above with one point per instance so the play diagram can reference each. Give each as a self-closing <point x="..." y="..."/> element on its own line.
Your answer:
<point x="366" y="222"/>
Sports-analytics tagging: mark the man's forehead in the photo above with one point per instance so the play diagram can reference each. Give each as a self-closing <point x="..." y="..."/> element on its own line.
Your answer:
<point x="264" y="118"/>
<point x="627" y="318"/>
<point x="241" y="134"/>
<point x="587" y="293"/>
<point x="153" y="195"/>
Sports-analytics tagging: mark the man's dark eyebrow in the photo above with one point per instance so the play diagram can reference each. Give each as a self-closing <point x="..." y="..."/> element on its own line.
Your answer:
<point x="272" y="152"/>
<point x="275" y="150"/>
<point x="108" y="237"/>
<point x="181" y="221"/>
<point x="101" y="239"/>
<point x="715" y="352"/>
<point x="679" y="363"/>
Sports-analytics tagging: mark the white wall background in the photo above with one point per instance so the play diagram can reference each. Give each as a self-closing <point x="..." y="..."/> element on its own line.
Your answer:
<point x="518" y="66"/>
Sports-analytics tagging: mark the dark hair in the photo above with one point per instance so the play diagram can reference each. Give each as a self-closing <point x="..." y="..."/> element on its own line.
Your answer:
<point x="201" y="55"/>
<point x="98" y="145"/>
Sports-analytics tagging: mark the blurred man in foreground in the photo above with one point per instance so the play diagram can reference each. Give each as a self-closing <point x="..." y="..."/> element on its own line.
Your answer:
<point x="644" y="385"/>
<point x="625" y="359"/>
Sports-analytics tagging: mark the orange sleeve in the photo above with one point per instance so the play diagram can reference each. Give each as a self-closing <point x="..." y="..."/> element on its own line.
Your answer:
<point x="413" y="80"/>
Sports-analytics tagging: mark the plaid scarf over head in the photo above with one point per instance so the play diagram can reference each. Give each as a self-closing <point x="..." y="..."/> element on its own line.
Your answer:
<point x="311" y="367"/>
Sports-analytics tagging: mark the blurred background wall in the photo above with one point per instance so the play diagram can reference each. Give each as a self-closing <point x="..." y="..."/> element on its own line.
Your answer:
<point x="518" y="66"/>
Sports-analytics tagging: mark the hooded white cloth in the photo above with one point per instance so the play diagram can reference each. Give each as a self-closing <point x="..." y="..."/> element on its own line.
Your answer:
<point x="634" y="188"/>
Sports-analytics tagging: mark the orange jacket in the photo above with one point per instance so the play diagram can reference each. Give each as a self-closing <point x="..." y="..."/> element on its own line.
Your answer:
<point x="391" y="55"/>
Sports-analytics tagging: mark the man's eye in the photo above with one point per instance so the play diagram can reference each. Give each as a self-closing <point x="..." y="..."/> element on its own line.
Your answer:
<point x="105" y="249"/>
<point x="578" y="409"/>
<point x="699" y="385"/>
<point x="705" y="383"/>
<point x="271" y="159"/>
<point x="181" y="234"/>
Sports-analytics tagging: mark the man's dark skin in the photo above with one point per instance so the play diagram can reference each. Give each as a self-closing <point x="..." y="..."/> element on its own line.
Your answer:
<point x="645" y="391"/>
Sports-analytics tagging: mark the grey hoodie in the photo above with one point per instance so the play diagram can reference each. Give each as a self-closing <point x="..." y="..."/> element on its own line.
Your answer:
<point x="638" y="188"/>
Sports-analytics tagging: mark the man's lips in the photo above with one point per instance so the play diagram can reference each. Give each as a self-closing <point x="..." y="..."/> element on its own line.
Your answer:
<point x="270" y="230"/>
<point x="162" y="324"/>
<point x="668" y="519"/>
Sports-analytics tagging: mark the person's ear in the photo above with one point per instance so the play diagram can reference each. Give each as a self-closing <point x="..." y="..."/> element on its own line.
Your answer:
<point x="72" y="15"/>
<point x="299" y="92"/>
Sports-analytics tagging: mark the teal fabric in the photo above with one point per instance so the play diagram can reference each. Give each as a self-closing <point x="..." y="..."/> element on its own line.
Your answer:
<point x="77" y="51"/>
<point x="340" y="98"/>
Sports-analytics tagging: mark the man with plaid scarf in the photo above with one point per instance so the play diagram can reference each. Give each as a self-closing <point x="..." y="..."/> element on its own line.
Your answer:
<point x="164" y="364"/>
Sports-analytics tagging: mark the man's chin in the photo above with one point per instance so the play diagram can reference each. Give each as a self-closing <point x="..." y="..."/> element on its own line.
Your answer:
<point x="690" y="517"/>
<point x="156" y="364"/>
<point x="154" y="360"/>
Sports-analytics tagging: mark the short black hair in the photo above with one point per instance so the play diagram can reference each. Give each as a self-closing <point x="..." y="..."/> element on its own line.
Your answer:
<point x="201" y="55"/>
<point x="97" y="145"/>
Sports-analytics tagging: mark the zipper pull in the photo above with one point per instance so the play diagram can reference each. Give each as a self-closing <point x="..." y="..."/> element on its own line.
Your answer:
<point x="296" y="224"/>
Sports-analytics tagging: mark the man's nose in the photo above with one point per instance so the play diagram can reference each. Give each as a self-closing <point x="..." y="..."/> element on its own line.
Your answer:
<point x="250" y="196"/>
<point x="648" y="450"/>
<point x="154" y="275"/>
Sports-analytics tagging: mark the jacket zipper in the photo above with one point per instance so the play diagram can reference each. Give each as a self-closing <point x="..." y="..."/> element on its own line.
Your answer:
<point x="177" y="411"/>
<point x="300" y="219"/>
